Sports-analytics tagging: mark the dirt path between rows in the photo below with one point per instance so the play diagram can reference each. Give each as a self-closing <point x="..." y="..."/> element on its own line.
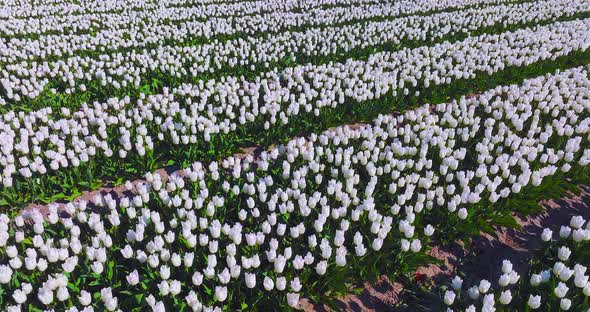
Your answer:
<point x="119" y="191"/>
<point x="484" y="261"/>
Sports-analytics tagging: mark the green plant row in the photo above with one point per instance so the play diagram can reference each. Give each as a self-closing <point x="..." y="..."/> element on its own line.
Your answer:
<point x="199" y="40"/>
<point x="186" y="4"/>
<point x="339" y="280"/>
<point x="155" y="81"/>
<point x="69" y="183"/>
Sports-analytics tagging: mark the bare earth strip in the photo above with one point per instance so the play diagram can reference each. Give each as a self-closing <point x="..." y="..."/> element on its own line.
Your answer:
<point x="119" y="191"/>
<point x="483" y="262"/>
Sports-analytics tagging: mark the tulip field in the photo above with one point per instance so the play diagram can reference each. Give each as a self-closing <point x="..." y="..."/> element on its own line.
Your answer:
<point x="278" y="155"/>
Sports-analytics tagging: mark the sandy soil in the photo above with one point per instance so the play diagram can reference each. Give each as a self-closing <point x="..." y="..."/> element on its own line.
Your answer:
<point x="483" y="262"/>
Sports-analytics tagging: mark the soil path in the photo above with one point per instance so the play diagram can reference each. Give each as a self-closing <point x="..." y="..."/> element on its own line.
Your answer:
<point x="483" y="262"/>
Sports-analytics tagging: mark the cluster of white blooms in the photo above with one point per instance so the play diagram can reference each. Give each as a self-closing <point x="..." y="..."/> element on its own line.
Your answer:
<point x="309" y="4"/>
<point x="565" y="283"/>
<point x="12" y="10"/>
<point x="138" y="34"/>
<point x="93" y="11"/>
<point x="482" y="290"/>
<point x="293" y="214"/>
<point x="39" y="142"/>
<point x="126" y="69"/>
<point x="132" y="16"/>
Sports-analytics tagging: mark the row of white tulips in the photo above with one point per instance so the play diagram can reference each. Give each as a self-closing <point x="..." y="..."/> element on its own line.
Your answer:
<point x="301" y="210"/>
<point x="39" y="142"/>
<point x="127" y="69"/>
<point x="570" y="278"/>
<point x="172" y="10"/>
<point x="28" y="10"/>
<point x="129" y="20"/>
<point x="145" y="29"/>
